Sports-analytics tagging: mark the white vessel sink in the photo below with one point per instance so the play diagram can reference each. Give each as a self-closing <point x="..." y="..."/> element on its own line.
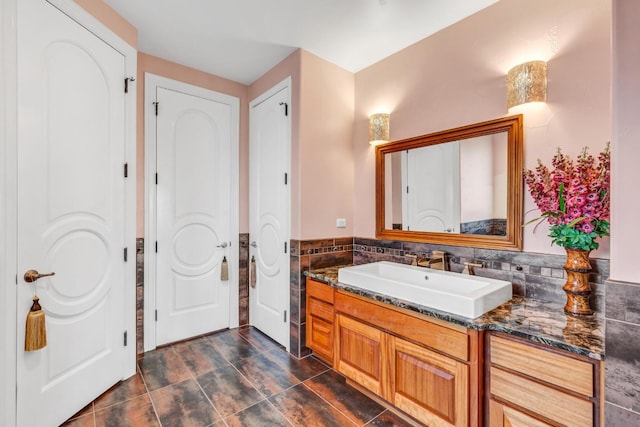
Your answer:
<point x="468" y="296"/>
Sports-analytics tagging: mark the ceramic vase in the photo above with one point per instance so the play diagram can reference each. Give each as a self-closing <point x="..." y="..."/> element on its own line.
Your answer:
<point x="577" y="286"/>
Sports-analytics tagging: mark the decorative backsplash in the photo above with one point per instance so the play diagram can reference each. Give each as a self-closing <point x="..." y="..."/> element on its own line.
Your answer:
<point x="537" y="276"/>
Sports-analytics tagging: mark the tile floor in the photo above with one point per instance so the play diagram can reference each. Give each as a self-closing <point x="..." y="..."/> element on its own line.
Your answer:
<point x="236" y="377"/>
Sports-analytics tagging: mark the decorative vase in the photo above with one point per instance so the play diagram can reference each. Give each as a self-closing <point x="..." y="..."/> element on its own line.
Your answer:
<point x="577" y="286"/>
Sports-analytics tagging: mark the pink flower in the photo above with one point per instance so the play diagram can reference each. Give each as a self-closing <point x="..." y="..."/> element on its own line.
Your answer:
<point x="580" y="188"/>
<point x="587" y="227"/>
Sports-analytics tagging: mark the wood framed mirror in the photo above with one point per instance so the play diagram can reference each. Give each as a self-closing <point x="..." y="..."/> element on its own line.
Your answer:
<point x="460" y="187"/>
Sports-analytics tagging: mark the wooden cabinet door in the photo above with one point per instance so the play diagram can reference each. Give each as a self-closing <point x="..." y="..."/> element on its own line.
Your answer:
<point x="320" y="337"/>
<point x="360" y="354"/>
<point x="504" y="416"/>
<point x="427" y="385"/>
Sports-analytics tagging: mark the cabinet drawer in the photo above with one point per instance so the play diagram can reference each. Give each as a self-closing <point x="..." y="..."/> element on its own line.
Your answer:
<point x="320" y="309"/>
<point x="319" y="290"/>
<point x="562" y="371"/>
<point x="540" y="399"/>
<point x="503" y="416"/>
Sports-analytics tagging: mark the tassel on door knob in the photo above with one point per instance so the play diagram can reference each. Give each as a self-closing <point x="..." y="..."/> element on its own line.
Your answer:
<point x="33" y="275"/>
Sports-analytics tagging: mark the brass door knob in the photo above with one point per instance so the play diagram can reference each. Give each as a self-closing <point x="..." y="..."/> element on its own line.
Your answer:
<point x="33" y="275"/>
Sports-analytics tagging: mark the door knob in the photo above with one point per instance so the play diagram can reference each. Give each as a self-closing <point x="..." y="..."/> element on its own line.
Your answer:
<point x="222" y="245"/>
<point x="254" y="244"/>
<point x="33" y="275"/>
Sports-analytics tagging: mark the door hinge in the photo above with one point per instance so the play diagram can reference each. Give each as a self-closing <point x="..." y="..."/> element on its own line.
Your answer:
<point x="285" y="247"/>
<point x="156" y="106"/>
<point x="156" y="315"/>
<point x="286" y="108"/>
<point x="125" y="338"/>
<point x="16" y="279"/>
<point x="126" y="253"/>
<point x="156" y="246"/>
<point x="126" y="170"/>
<point x="156" y="179"/>
<point x="286" y="178"/>
<point x="126" y="83"/>
<point x="407" y="189"/>
<point x="285" y="316"/>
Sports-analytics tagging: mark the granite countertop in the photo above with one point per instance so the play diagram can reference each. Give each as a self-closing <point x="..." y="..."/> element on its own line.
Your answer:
<point x="538" y="321"/>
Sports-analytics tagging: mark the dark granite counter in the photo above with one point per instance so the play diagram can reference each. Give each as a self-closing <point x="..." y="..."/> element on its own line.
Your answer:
<point x="538" y="321"/>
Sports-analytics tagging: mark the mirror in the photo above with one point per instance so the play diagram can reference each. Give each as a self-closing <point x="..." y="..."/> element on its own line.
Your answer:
<point x="457" y="187"/>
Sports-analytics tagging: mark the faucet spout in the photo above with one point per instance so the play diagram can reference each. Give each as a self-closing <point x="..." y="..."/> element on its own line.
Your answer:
<point x="437" y="261"/>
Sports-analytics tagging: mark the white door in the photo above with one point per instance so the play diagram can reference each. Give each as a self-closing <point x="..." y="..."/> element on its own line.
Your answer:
<point x="431" y="176"/>
<point x="270" y="140"/>
<point x="71" y="208"/>
<point x="194" y="137"/>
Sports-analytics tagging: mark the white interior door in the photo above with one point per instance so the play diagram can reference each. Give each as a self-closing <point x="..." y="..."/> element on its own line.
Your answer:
<point x="434" y="171"/>
<point x="269" y="228"/>
<point x="196" y="221"/>
<point x="72" y="197"/>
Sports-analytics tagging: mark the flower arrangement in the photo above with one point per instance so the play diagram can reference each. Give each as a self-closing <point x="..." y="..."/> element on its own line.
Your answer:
<point x="573" y="197"/>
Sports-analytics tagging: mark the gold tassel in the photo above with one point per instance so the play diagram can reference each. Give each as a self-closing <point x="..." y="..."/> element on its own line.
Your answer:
<point x="252" y="273"/>
<point x="36" y="331"/>
<point x="224" y="270"/>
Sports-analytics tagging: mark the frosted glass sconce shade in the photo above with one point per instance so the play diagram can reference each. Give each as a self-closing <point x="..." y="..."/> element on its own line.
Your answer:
<point x="527" y="83"/>
<point x="378" y="128"/>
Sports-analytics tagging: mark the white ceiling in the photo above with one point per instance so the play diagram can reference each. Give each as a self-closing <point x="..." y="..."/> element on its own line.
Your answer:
<point x="242" y="39"/>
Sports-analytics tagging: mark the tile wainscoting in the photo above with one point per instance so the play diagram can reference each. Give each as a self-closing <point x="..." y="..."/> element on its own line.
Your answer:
<point x="622" y="362"/>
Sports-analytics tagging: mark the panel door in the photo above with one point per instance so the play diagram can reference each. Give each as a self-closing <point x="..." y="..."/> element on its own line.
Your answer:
<point x="360" y="354"/>
<point x="269" y="215"/>
<point x="429" y="386"/>
<point x="434" y="171"/>
<point x="71" y="210"/>
<point x="193" y="214"/>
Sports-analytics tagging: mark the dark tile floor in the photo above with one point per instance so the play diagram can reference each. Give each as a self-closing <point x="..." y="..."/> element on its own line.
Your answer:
<point x="236" y="377"/>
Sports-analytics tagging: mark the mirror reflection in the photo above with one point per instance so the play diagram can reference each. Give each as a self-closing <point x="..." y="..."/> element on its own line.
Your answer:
<point x="454" y="187"/>
<point x="459" y="187"/>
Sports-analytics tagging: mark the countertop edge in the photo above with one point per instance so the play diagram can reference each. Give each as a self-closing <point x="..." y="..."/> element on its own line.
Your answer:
<point x="495" y="321"/>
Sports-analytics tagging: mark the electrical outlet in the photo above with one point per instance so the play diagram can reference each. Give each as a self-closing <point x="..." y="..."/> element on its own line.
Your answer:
<point x="341" y="222"/>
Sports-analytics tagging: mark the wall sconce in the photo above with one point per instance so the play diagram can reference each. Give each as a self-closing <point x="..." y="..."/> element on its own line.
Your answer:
<point x="378" y="128"/>
<point x="527" y="83"/>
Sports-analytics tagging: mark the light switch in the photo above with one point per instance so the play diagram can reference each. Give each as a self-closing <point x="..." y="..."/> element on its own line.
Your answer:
<point x="341" y="222"/>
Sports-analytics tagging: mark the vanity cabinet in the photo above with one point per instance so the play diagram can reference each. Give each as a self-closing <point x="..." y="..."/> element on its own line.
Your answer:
<point x="424" y="367"/>
<point x="536" y="385"/>
<point x="320" y="318"/>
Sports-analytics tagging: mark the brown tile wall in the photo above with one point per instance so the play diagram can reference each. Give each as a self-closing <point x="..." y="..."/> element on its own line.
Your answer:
<point x="306" y="255"/>
<point x="622" y="376"/>
<point x="539" y="276"/>
<point x="243" y="281"/>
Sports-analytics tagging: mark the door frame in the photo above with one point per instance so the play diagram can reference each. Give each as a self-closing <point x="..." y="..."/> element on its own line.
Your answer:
<point x="9" y="185"/>
<point x="287" y="82"/>
<point x="151" y="81"/>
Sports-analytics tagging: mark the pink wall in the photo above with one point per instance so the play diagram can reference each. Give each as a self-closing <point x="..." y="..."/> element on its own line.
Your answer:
<point x="289" y="67"/>
<point x="457" y="77"/>
<point x="321" y="165"/>
<point x="161" y="67"/>
<point x="326" y="155"/>
<point x="625" y="173"/>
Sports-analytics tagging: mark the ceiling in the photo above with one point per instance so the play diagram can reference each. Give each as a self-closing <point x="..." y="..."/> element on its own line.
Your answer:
<point x="242" y="39"/>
